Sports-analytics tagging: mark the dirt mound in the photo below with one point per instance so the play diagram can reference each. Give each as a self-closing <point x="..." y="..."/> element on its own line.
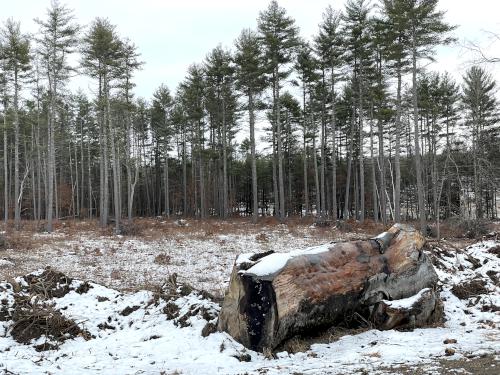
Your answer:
<point x="29" y="306"/>
<point x="33" y="319"/>
<point x="48" y="284"/>
<point x="495" y="250"/>
<point x="470" y="289"/>
<point x="51" y="284"/>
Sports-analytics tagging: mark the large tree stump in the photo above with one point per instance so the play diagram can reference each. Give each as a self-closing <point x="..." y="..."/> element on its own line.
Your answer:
<point x="274" y="296"/>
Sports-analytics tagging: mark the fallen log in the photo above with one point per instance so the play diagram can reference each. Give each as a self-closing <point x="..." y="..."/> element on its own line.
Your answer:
<point x="272" y="297"/>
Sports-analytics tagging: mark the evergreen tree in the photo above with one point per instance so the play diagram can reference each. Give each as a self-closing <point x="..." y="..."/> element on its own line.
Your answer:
<point x="163" y="131"/>
<point x="329" y="45"/>
<point x="278" y="35"/>
<point x="101" y="55"/>
<point x="56" y="42"/>
<point x="250" y="80"/>
<point x="306" y="67"/>
<point x="480" y="104"/>
<point x="357" y="25"/>
<point x="426" y="30"/>
<point x="15" y="53"/>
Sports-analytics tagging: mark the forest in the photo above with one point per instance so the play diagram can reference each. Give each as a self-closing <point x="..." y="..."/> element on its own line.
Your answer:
<point x="373" y="135"/>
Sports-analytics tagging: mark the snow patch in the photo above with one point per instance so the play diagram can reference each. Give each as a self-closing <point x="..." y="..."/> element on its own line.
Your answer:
<point x="276" y="261"/>
<point x="406" y="303"/>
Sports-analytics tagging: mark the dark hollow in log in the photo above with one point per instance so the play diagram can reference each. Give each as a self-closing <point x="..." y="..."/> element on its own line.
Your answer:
<point x="273" y="297"/>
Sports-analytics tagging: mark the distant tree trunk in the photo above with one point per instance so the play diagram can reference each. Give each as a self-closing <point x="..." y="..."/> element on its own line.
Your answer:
<point x="167" y="187"/>
<point x="316" y="174"/>
<point x="89" y="166"/>
<point x="334" y="150"/>
<point x="304" y="153"/>
<point x="280" y="151"/>
<point x="202" y="178"/>
<point x="397" y="151"/>
<point x="418" y="163"/>
<point x="322" y="154"/>
<point x="51" y="155"/>
<point x="224" y="163"/>
<point x="17" y="197"/>
<point x="361" y="141"/>
<point x="374" y="175"/>
<point x="115" y="166"/>
<point x="77" y="185"/>
<point x="349" y="167"/>
<point x="184" y="175"/>
<point x="255" y="198"/>
<point x="275" y="174"/>
<point x="82" y="168"/>
<point x="5" y="168"/>
<point x="381" y="159"/>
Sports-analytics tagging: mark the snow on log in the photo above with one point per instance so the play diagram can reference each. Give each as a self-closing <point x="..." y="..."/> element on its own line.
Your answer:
<point x="411" y="312"/>
<point x="274" y="296"/>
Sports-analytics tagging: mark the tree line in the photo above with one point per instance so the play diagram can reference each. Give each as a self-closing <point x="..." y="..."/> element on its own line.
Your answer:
<point x="355" y="128"/>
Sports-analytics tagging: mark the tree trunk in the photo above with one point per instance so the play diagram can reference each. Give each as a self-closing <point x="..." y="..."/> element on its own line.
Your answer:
<point x="316" y="175"/>
<point x="397" y="151"/>
<point x="17" y="202"/>
<point x="418" y="162"/>
<point x="349" y="169"/>
<point x="304" y="151"/>
<point x="115" y="166"/>
<point x="5" y="168"/>
<point x="334" y="151"/>
<point x="272" y="297"/>
<point x="361" y="159"/>
<point x="281" y="184"/>
<point x="374" y="175"/>
<point x="255" y="198"/>
<point x="167" y="185"/>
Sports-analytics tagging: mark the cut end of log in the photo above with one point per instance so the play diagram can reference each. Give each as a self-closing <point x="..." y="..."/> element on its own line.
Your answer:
<point x="275" y="296"/>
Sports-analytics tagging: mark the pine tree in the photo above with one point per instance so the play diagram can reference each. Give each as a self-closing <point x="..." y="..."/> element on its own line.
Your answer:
<point x="192" y="100"/>
<point x="56" y="42"/>
<point x="250" y="80"/>
<point x="219" y="72"/>
<point x="5" y="102"/>
<point x="394" y="24"/>
<point x="426" y="30"/>
<point x="329" y="46"/>
<point x="278" y="35"/>
<point x="101" y="55"/>
<point x="357" y="25"/>
<point x="16" y="56"/>
<point x="306" y="67"/>
<point x="480" y="103"/>
<point x="128" y="64"/>
<point x="162" y="128"/>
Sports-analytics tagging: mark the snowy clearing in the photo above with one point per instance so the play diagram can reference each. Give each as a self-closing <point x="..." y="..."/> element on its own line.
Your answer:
<point x="148" y="332"/>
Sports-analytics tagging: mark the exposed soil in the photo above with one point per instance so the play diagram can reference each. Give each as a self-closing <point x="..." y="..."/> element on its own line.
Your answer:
<point x="470" y="289"/>
<point x="487" y="365"/>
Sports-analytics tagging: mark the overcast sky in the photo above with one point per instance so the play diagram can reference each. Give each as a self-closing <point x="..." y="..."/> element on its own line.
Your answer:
<point x="172" y="34"/>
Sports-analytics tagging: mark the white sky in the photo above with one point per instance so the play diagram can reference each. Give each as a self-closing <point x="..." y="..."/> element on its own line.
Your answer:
<point x="171" y="35"/>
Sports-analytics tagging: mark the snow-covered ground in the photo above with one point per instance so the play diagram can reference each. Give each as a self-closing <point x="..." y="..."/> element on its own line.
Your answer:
<point x="201" y="255"/>
<point x="139" y="333"/>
